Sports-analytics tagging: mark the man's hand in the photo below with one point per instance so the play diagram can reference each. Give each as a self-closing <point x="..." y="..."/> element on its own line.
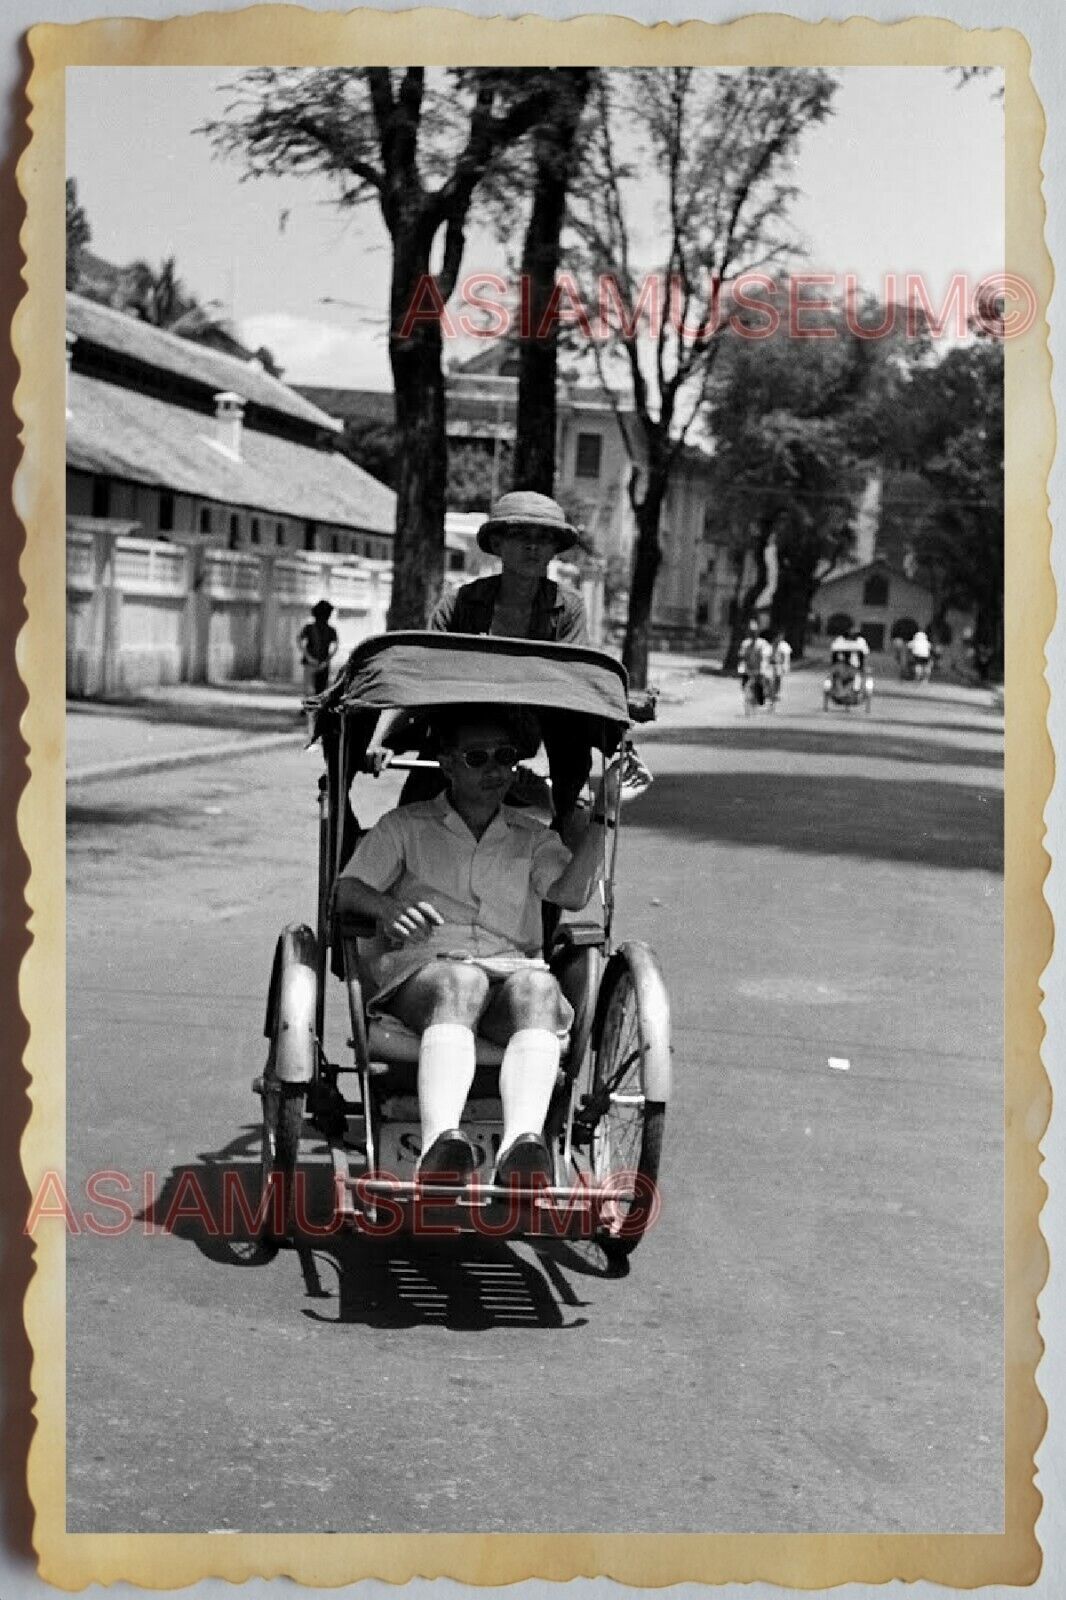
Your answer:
<point x="626" y="778"/>
<point x="377" y="758"/>
<point x="410" y="923"/>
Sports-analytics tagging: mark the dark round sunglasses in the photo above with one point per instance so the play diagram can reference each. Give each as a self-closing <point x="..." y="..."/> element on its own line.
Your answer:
<point x="504" y="755"/>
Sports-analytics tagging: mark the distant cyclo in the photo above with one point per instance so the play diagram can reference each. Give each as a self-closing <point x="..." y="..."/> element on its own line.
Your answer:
<point x="920" y="651"/>
<point x="849" y="681"/>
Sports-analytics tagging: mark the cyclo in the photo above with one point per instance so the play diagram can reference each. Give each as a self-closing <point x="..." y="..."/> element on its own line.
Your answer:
<point x="605" y="1121"/>
<point x="847" y="685"/>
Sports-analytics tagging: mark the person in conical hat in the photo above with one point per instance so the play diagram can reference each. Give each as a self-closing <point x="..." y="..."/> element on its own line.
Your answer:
<point x="525" y="530"/>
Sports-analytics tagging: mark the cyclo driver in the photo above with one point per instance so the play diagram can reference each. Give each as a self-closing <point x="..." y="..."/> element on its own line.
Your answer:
<point x="848" y="656"/>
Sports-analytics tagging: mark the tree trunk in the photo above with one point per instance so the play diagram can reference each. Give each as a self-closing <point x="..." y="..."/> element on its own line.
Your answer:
<point x="534" y="456"/>
<point x="791" y="607"/>
<point x="751" y="594"/>
<point x="646" y="561"/>
<point x="422" y="459"/>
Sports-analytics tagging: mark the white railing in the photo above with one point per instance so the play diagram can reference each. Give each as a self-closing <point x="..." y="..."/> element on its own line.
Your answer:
<point x="350" y="588"/>
<point x="144" y="566"/>
<point x="300" y="578"/>
<point x="231" y="575"/>
<point x="80" y="563"/>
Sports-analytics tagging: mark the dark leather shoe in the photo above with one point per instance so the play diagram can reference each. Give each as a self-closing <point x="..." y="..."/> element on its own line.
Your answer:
<point x="524" y="1160"/>
<point x="450" y="1158"/>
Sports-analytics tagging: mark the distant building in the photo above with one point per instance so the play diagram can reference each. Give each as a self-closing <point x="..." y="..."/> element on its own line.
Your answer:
<point x="198" y="446"/>
<point x="886" y="604"/>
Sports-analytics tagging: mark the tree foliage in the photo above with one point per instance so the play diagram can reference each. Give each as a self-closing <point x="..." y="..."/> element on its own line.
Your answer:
<point x="797" y="436"/>
<point x="417" y="145"/>
<point x="79" y="234"/>
<point x="721" y="143"/>
<point x="948" y="420"/>
<point x="157" y="294"/>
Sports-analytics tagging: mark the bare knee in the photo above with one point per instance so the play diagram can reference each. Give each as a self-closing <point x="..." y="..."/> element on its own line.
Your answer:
<point x="459" y="993"/>
<point x="532" y="999"/>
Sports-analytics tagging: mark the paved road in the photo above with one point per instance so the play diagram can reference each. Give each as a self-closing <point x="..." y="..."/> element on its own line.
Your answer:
<point x="811" y="1337"/>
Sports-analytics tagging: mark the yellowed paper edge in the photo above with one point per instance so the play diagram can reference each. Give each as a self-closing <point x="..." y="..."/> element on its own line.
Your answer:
<point x="289" y="35"/>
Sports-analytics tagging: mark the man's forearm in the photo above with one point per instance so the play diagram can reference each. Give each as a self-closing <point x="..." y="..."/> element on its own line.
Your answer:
<point x="355" y="898"/>
<point x="572" y="889"/>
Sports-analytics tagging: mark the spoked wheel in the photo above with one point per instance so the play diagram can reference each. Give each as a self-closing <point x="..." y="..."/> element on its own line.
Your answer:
<point x="270" y="1191"/>
<point x="630" y="1087"/>
<point x="290" y="1069"/>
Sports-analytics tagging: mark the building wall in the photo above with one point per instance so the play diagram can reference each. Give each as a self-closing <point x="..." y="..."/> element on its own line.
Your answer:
<point x="142" y="612"/>
<point x="485" y="407"/>
<point x="907" y="602"/>
<point x="611" y="522"/>
<point x="185" y="518"/>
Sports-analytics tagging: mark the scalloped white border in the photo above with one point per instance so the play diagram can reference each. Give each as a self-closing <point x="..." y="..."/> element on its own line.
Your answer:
<point x="314" y="36"/>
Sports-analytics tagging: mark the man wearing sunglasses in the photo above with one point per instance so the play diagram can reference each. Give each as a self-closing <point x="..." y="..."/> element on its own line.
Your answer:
<point x="456" y="884"/>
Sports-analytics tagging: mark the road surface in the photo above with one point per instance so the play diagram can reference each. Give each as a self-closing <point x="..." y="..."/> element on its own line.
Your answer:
<point x="810" y="1339"/>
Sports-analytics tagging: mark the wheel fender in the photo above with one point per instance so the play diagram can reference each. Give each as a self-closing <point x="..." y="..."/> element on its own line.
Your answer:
<point x="654" y="1010"/>
<point x="290" y="1020"/>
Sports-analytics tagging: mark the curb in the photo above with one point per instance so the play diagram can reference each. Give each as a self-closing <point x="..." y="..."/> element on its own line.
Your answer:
<point x="135" y="766"/>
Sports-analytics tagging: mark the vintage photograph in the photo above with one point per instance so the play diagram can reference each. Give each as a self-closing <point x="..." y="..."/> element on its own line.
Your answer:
<point x="538" y="605"/>
<point x="698" y="374"/>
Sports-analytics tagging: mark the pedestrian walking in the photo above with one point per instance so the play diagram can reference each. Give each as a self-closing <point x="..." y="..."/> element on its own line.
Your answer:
<point x="318" y="645"/>
<point x="755" y="666"/>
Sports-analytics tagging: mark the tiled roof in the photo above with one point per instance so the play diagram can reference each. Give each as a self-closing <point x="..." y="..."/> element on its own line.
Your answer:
<point x="351" y="405"/>
<point x="126" y="434"/>
<point x="167" y="352"/>
<point x="878" y="564"/>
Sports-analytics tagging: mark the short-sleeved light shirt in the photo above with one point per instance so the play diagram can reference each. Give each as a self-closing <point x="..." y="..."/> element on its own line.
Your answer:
<point x="489" y="890"/>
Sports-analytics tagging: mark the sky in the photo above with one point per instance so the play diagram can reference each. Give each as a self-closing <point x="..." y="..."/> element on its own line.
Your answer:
<point x="907" y="176"/>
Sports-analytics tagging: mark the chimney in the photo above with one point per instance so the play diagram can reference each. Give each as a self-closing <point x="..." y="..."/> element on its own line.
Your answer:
<point x="229" y="417"/>
<point x="72" y="340"/>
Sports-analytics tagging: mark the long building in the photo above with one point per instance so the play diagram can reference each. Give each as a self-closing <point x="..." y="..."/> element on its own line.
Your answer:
<point x="197" y="446"/>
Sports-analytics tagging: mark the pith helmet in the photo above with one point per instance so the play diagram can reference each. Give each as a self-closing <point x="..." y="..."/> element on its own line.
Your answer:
<point x="523" y="508"/>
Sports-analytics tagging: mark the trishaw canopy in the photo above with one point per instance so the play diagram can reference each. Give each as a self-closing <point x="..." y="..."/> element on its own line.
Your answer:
<point x="424" y="671"/>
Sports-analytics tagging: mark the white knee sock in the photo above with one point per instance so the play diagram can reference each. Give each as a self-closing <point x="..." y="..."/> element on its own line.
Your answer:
<point x="527" y="1078"/>
<point x="445" y="1072"/>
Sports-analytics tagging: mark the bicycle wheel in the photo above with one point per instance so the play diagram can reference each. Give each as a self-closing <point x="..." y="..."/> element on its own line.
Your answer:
<point x="630" y="1083"/>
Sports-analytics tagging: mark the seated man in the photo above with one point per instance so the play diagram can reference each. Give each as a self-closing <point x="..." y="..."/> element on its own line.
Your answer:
<point x="455" y="884"/>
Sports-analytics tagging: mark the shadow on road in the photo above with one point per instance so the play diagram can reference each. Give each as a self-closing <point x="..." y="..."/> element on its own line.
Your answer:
<point x="861" y="736"/>
<point x="116" y="812"/>
<point x="462" y="1283"/>
<point x="888" y="690"/>
<point x="930" y="824"/>
<point x="243" y="717"/>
